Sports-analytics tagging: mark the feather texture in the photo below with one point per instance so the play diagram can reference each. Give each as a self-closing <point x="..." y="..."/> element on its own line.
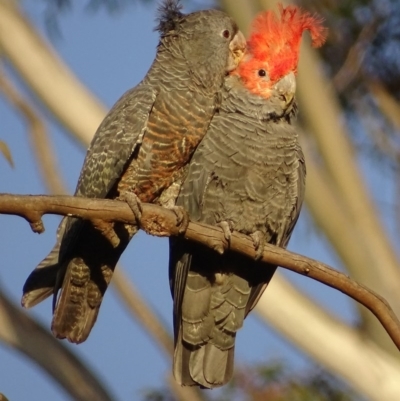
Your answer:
<point x="140" y="147"/>
<point x="248" y="171"/>
<point x="247" y="175"/>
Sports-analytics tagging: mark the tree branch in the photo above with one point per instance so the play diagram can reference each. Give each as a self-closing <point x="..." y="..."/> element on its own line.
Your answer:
<point x="162" y="222"/>
<point x="322" y="118"/>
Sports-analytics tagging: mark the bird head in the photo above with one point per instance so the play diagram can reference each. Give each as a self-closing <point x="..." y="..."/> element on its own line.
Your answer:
<point x="209" y="40"/>
<point x="273" y="50"/>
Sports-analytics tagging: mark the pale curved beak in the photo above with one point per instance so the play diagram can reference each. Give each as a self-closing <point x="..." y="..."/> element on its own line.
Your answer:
<point x="286" y="88"/>
<point x="237" y="49"/>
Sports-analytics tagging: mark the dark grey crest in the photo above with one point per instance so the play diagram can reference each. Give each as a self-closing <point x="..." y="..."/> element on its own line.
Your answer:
<point x="169" y="16"/>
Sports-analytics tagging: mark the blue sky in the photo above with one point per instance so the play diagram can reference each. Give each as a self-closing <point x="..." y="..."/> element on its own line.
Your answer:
<point x="110" y="54"/>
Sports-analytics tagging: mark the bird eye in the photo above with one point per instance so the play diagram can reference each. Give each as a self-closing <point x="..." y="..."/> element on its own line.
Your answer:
<point x="226" y="34"/>
<point x="262" y="73"/>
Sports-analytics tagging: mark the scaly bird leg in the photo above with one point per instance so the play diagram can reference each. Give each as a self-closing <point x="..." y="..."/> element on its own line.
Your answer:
<point x="168" y="199"/>
<point x="182" y="218"/>
<point x="227" y="230"/>
<point x="134" y="203"/>
<point x="258" y="238"/>
<point x="107" y="229"/>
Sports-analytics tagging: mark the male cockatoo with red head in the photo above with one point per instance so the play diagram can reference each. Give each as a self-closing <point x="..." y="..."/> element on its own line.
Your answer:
<point x="247" y="175"/>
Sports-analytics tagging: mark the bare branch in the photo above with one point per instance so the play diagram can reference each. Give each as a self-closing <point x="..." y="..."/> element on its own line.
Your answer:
<point x="321" y="115"/>
<point x="162" y="222"/>
<point x="321" y="111"/>
<point x="15" y="34"/>
<point x="330" y="215"/>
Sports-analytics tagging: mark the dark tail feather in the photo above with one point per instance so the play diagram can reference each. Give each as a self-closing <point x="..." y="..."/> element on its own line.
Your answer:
<point x="206" y="366"/>
<point x="87" y="277"/>
<point x="41" y="283"/>
<point x="212" y="301"/>
<point x="78" y="305"/>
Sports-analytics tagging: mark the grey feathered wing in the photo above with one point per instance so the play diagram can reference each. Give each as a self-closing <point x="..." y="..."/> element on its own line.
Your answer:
<point x="79" y="245"/>
<point x="250" y="173"/>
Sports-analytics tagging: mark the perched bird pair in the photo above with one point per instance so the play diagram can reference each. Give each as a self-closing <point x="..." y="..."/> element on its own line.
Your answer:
<point x="247" y="175"/>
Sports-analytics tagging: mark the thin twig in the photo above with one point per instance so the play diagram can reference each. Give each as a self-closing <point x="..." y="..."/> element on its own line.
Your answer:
<point x="162" y="222"/>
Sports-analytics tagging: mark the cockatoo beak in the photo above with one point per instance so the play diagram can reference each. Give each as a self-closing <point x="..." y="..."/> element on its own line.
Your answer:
<point x="286" y="88"/>
<point x="237" y="49"/>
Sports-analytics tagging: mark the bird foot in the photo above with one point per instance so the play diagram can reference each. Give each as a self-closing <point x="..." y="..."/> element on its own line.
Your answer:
<point x="227" y="230"/>
<point x="182" y="218"/>
<point x="258" y="238"/>
<point x="107" y="229"/>
<point x="134" y="203"/>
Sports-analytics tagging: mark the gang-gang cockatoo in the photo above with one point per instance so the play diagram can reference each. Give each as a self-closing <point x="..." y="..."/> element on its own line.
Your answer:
<point x="247" y="175"/>
<point x="138" y="149"/>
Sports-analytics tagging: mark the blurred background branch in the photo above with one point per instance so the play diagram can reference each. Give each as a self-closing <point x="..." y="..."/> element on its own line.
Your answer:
<point x="25" y="335"/>
<point x="46" y="75"/>
<point x="39" y="139"/>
